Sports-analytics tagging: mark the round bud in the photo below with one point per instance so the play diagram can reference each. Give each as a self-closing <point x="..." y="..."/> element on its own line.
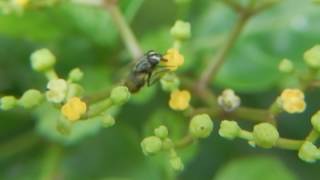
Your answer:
<point x="120" y="95"/>
<point x="315" y="121"/>
<point x="265" y="135"/>
<point x="176" y="163"/>
<point x="309" y="152"/>
<point x="75" y="75"/>
<point x="31" y="98"/>
<point x="108" y="121"/>
<point x="42" y="60"/>
<point x="229" y="129"/>
<point x="201" y="126"/>
<point x="161" y="132"/>
<point x="170" y="82"/>
<point x="181" y="30"/>
<point x="8" y="102"/>
<point x="151" y="145"/>
<point x="286" y="66"/>
<point x="312" y="57"/>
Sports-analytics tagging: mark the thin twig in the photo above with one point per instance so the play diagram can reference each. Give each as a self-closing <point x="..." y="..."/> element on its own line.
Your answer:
<point x="218" y="60"/>
<point x="125" y="31"/>
<point x="234" y="5"/>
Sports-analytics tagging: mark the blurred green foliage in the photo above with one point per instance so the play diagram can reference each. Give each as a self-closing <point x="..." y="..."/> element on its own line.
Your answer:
<point x="85" y="37"/>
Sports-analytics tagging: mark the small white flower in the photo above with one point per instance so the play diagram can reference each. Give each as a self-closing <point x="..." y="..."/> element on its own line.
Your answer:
<point x="228" y="100"/>
<point x="57" y="90"/>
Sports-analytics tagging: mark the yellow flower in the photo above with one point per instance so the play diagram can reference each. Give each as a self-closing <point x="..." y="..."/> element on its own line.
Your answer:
<point x="179" y="100"/>
<point x="292" y="101"/>
<point x="173" y="59"/>
<point x="74" y="109"/>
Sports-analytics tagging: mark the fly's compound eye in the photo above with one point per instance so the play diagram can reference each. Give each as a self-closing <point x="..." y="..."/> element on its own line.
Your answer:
<point x="155" y="58"/>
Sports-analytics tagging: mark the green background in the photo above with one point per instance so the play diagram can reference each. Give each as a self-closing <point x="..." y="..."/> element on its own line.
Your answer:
<point x="85" y="37"/>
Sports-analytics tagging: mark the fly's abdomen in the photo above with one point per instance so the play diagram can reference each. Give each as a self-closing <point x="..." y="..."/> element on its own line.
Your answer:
<point x="135" y="81"/>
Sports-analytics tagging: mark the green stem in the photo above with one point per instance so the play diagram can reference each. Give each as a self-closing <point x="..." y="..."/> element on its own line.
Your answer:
<point x="185" y="141"/>
<point x="312" y="136"/>
<point x="215" y="64"/>
<point x="50" y="163"/>
<point x="247" y="135"/>
<point x="289" y="144"/>
<point x="242" y="113"/>
<point x="126" y="33"/>
<point x="98" y="108"/>
<point x="51" y="74"/>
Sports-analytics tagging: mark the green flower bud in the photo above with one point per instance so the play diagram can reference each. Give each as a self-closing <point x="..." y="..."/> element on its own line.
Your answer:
<point x="229" y="129"/>
<point x="228" y="100"/>
<point x="120" y="95"/>
<point x="170" y="82"/>
<point x="108" y="121"/>
<point x="286" y="66"/>
<point x="31" y="98"/>
<point x="309" y="152"/>
<point x="161" y="132"/>
<point x="167" y="144"/>
<point x="181" y="30"/>
<point x="151" y="145"/>
<point x="74" y="90"/>
<point x="8" y="102"/>
<point x="315" y="121"/>
<point x="312" y="57"/>
<point x="176" y="163"/>
<point x="42" y="60"/>
<point x="75" y="75"/>
<point x="265" y="135"/>
<point x="201" y="126"/>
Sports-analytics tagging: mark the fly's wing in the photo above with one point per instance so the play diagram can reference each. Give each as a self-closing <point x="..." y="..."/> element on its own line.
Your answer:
<point x="156" y="75"/>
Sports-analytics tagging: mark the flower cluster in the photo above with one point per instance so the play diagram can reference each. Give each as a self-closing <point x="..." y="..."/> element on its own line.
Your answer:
<point x="161" y="142"/>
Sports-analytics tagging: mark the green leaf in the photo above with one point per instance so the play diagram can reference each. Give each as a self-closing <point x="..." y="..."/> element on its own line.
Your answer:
<point x="248" y="69"/>
<point x="253" y="168"/>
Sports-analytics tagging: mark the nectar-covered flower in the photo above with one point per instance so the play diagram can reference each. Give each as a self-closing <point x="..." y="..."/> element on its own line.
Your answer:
<point x="173" y="59"/>
<point x="228" y="100"/>
<point x="57" y="90"/>
<point x="179" y="100"/>
<point x="292" y="101"/>
<point x="74" y="109"/>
